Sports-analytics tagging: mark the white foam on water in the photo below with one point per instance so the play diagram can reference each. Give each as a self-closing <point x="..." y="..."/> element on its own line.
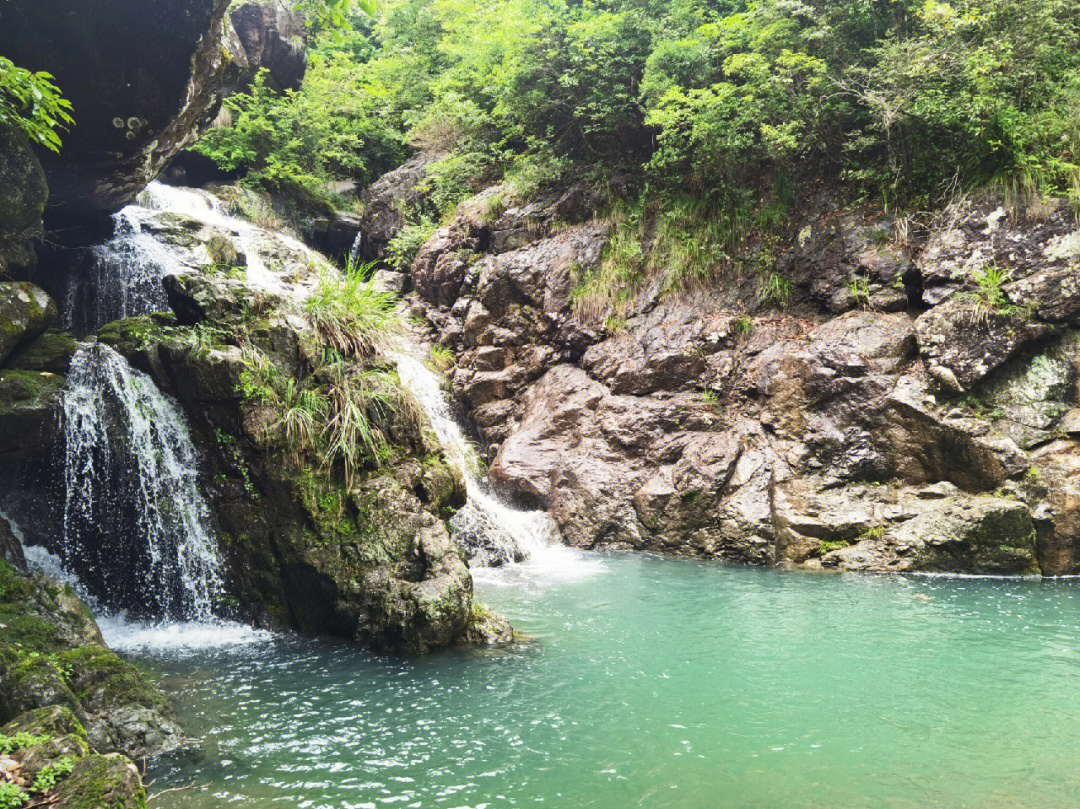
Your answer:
<point x="204" y="207"/>
<point x="553" y="564"/>
<point x="175" y="638"/>
<point x="529" y="536"/>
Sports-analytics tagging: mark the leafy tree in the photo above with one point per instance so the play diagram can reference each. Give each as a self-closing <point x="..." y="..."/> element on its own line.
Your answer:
<point x="33" y="103"/>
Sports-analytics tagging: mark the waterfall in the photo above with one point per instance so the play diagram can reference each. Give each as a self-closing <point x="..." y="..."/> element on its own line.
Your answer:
<point x="124" y="276"/>
<point x="493" y="532"/>
<point x="136" y="527"/>
<point x="204" y="207"/>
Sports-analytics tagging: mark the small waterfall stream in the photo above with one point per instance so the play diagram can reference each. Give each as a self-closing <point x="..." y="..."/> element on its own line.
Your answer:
<point x="495" y="534"/>
<point x="136" y="527"/>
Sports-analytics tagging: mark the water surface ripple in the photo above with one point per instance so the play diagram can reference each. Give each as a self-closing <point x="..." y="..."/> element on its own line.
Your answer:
<point x="661" y="683"/>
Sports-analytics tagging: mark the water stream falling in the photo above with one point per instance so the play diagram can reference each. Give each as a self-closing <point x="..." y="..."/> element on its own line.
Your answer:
<point x="136" y="527"/>
<point x="124" y="276"/>
<point x="494" y="533"/>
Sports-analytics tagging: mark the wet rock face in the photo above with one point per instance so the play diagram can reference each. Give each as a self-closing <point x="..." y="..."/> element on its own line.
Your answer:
<point x="25" y="312"/>
<point x="142" y="75"/>
<point x="370" y="559"/>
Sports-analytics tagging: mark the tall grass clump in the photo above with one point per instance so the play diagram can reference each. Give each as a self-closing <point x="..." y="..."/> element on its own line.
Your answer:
<point x="351" y="314"/>
<point x="362" y="408"/>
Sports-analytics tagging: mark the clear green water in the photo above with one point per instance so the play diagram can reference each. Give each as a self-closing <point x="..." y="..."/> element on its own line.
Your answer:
<point x="660" y="683"/>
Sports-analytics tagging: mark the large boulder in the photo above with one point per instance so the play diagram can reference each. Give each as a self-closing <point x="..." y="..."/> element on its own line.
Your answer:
<point x="142" y="75"/>
<point x="21" y="204"/>
<point x="25" y="312"/>
<point x="958" y="535"/>
<point x="1024" y="239"/>
<point x="386" y="204"/>
<point x="52" y="654"/>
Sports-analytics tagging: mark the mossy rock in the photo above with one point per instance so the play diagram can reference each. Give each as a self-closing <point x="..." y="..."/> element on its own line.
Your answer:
<point x="61" y="736"/>
<point x="132" y="334"/>
<point x="25" y="312"/>
<point x="102" y="782"/>
<point x="51" y="352"/>
<point x="487" y="628"/>
<point x="51" y="654"/>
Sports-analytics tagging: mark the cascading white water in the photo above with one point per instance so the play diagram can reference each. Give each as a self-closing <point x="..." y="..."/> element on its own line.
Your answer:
<point x="496" y="533"/>
<point x="136" y="527"/>
<point x="204" y="207"/>
<point x="124" y="276"/>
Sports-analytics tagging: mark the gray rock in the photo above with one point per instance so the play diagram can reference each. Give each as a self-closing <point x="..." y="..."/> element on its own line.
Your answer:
<point x="274" y="37"/>
<point x="21" y="205"/>
<point x="963" y="343"/>
<point x="968" y="535"/>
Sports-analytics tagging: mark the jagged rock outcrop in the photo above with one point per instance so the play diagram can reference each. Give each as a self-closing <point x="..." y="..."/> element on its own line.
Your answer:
<point x="385" y="206"/>
<point x="274" y="38"/>
<point x="142" y="75"/>
<point x="703" y="425"/>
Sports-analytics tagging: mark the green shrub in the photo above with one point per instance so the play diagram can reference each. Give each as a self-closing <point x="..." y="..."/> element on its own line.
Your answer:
<point x="351" y="314"/>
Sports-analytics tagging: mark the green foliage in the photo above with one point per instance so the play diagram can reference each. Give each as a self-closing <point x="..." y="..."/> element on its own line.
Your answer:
<point x="727" y="111"/>
<point x="334" y="13"/>
<point x="362" y="409"/>
<point x="33" y="103"/>
<point x="351" y="314"/>
<point x="440" y="358"/>
<point x="990" y="280"/>
<point x="295" y="142"/>
<point x="403" y="248"/>
<point x="827" y="547"/>
<point x="776" y="290"/>
<point x="744" y="326"/>
<point x="12" y="796"/>
<point x="50" y="776"/>
<point x="10" y="744"/>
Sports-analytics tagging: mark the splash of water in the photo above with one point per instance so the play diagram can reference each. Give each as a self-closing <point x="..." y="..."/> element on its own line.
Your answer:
<point x="494" y="533"/>
<point x="136" y="527"/>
